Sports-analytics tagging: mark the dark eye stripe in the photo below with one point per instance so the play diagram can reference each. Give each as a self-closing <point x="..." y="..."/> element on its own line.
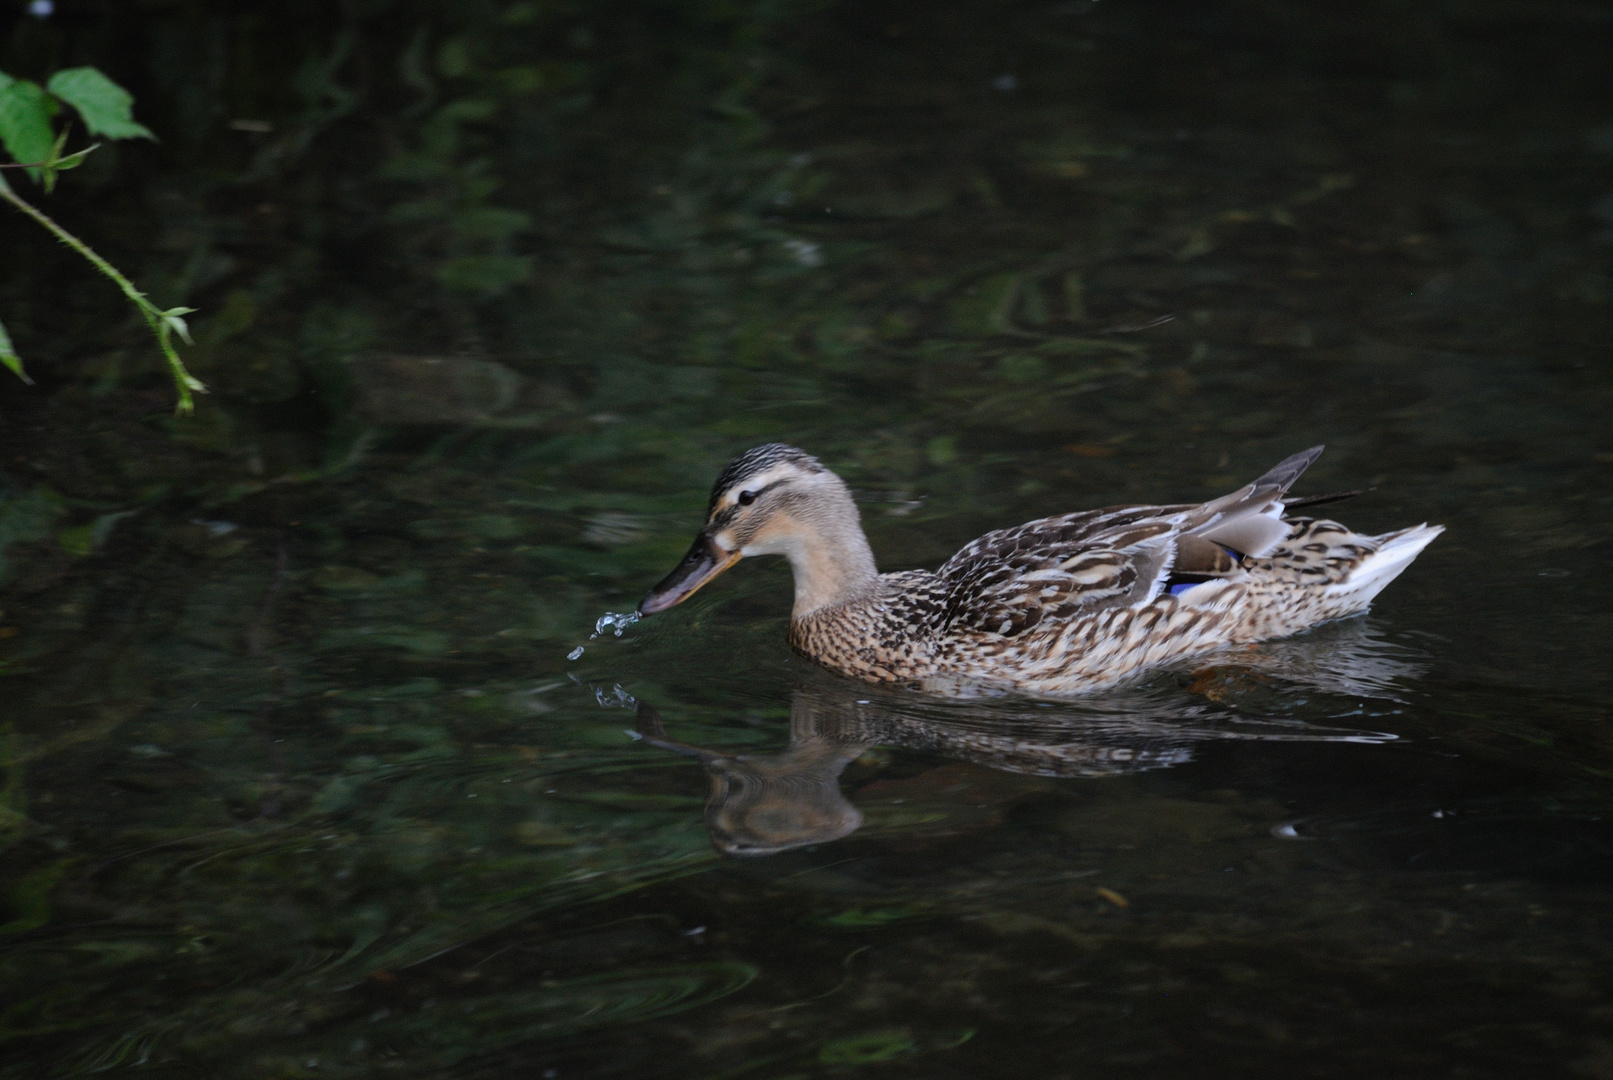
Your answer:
<point x="745" y="498"/>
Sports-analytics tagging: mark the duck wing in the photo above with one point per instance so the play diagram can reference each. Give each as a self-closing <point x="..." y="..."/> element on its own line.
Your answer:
<point x="1250" y="520"/>
<point x="1059" y="568"/>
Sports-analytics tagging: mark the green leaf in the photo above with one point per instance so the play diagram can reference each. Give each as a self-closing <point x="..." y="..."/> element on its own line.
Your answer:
<point x="25" y="123"/>
<point x="53" y="160"/>
<point x="73" y="160"/>
<point x="9" y="357"/>
<point x="103" y="104"/>
<point x="173" y="319"/>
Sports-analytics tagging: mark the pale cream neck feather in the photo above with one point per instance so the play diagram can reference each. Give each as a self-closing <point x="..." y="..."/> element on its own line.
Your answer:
<point x="822" y="537"/>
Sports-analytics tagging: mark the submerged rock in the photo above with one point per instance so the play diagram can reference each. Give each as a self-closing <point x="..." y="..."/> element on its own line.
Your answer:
<point x="451" y="391"/>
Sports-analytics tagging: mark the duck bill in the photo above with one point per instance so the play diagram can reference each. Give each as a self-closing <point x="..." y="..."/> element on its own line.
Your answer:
<point x="705" y="561"/>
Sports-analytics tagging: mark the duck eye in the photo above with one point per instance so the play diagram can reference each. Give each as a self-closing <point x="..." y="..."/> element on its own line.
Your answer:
<point x="746" y="498"/>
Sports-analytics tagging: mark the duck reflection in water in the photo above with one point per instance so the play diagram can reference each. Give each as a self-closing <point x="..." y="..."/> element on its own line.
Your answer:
<point x="763" y="804"/>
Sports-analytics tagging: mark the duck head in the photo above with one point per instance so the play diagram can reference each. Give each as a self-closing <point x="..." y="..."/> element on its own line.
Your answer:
<point x="776" y="500"/>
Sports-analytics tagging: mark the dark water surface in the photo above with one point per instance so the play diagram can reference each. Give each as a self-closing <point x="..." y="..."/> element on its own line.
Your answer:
<point x="300" y="781"/>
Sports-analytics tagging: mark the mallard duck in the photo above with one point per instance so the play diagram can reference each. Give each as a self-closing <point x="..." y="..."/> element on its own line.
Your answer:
<point x="1056" y="606"/>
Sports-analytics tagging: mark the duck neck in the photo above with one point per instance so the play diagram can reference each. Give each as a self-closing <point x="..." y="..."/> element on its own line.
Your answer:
<point x="831" y="567"/>
<point x="828" y="553"/>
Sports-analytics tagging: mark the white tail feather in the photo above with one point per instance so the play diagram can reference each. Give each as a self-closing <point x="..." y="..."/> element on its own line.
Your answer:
<point x="1395" y="552"/>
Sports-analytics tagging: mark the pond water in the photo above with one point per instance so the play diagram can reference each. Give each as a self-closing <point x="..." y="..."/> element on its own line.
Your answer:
<point x="319" y="761"/>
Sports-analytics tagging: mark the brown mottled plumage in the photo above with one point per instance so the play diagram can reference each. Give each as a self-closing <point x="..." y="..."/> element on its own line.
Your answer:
<point x="1055" y="606"/>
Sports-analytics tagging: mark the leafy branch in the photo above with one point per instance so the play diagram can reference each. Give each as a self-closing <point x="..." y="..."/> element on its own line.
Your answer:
<point x="26" y="112"/>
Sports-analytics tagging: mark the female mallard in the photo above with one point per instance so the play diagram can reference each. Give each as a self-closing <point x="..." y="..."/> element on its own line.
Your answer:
<point x="1056" y="606"/>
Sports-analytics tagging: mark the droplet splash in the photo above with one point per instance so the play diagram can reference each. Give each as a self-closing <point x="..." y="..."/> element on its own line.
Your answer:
<point x="615" y="622"/>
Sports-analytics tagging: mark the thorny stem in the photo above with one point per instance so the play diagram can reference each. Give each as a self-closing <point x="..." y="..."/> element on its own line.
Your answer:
<point x="155" y="317"/>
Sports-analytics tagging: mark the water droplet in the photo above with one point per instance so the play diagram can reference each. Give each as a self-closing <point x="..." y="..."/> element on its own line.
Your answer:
<point x="615" y="622"/>
<point x="574" y="653"/>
